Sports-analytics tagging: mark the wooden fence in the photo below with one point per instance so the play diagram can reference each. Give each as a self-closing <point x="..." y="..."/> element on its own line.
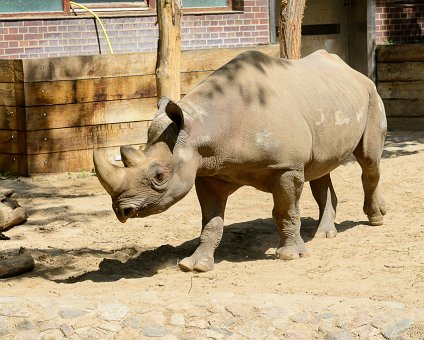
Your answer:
<point x="54" y="111"/>
<point x="400" y="76"/>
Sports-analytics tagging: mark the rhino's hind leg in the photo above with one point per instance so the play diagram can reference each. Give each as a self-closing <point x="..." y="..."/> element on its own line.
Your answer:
<point x="286" y="194"/>
<point x="368" y="153"/>
<point x="323" y="192"/>
<point x="212" y="194"/>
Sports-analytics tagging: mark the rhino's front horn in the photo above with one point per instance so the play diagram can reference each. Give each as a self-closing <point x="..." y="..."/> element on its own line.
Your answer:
<point x="110" y="176"/>
<point x="131" y="156"/>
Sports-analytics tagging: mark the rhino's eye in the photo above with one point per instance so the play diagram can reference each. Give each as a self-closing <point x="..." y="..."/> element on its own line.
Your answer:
<point x="159" y="180"/>
<point x="160" y="176"/>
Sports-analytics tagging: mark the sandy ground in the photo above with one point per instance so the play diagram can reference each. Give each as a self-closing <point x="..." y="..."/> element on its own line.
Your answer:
<point x="80" y="248"/>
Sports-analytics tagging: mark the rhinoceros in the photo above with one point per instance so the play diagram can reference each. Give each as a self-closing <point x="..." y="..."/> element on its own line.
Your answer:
<point x="261" y="121"/>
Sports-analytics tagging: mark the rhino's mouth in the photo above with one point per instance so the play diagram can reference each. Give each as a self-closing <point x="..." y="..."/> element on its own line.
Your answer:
<point x="125" y="212"/>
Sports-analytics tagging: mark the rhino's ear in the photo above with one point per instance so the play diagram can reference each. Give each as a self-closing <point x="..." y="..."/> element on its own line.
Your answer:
<point x="163" y="102"/>
<point x="175" y="113"/>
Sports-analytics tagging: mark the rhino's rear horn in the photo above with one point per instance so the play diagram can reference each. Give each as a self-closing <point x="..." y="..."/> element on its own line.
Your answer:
<point x="131" y="156"/>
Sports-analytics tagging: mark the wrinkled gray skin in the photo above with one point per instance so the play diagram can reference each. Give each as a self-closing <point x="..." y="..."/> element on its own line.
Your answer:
<point x="265" y="122"/>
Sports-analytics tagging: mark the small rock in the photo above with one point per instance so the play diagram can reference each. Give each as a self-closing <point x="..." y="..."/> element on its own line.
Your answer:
<point x="169" y="337"/>
<point x="395" y="329"/>
<point x="110" y="327"/>
<point x="71" y="313"/>
<point x="326" y="316"/>
<point x="154" y="331"/>
<point x="90" y="333"/>
<point x="212" y="334"/>
<point x="361" y="319"/>
<point x="273" y="312"/>
<point x="135" y="322"/>
<point x="156" y="317"/>
<point x="50" y="324"/>
<point x="280" y="323"/>
<point x="300" y="318"/>
<point x="52" y="334"/>
<point x="25" y="325"/>
<point x="113" y="311"/>
<point x="27" y="335"/>
<point x="67" y="330"/>
<point x="177" y="320"/>
<point x="4" y="326"/>
<point x="366" y="332"/>
<point x="200" y="324"/>
<point x="338" y="335"/>
<point x="252" y="330"/>
<point x="221" y="330"/>
<point x="298" y="335"/>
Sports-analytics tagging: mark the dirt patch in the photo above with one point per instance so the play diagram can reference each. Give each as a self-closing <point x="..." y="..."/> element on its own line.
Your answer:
<point x="79" y="246"/>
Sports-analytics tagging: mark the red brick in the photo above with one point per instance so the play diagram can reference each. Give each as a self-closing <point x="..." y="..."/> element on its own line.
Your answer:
<point x="13" y="37"/>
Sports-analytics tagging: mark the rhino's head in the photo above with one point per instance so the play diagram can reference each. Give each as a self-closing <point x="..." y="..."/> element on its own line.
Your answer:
<point x="156" y="178"/>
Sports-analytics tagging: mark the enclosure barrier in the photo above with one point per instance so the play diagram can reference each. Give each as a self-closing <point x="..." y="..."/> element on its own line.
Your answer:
<point x="54" y="111"/>
<point x="400" y="76"/>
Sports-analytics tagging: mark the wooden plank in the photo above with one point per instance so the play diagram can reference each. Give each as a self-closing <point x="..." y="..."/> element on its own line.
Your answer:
<point x="12" y="118"/>
<point x="89" y="67"/>
<point x="86" y="137"/>
<point x="11" y="71"/>
<point x="69" y="161"/>
<point x="131" y="64"/>
<point x="404" y="107"/>
<point x="82" y="114"/>
<point x="90" y="90"/>
<point x="12" y="94"/>
<point x="406" y="52"/>
<point x="402" y="71"/>
<point x="189" y="80"/>
<point x="405" y="123"/>
<point x="14" y="164"/>
<point x="212" y="59"/>
<point x="401" y="90"/>
<point x="96" y="90"/>
<point x="12" y="141"/>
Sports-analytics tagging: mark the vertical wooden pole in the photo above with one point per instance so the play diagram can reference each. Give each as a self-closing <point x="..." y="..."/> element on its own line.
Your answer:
<point x="290" y="28"/>
<point x="168" y="78"/>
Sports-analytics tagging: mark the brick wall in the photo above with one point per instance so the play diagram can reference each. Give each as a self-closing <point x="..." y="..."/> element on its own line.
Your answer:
<point x="398" y="23"/>
<point x="66" y="36"/>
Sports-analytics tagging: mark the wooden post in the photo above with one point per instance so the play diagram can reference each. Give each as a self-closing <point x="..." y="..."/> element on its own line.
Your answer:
<point x="168" y="78"/>
<point x="290" y="28"/>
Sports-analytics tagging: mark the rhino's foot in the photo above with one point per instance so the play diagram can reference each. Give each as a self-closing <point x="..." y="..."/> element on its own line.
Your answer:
<point x="327" y="230"/>
<point x="193" y="263"/>
<point x="376" y="211"/>
<point x="293" y="251"/>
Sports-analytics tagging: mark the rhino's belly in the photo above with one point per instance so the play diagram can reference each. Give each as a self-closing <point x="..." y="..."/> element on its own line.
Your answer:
<point x="326" y="157"/>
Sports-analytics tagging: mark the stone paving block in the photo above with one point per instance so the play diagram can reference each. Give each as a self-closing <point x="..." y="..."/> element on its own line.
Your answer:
<point x="396" y="328"/>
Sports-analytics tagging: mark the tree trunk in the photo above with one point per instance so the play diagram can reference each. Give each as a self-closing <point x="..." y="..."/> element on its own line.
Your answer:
<point x="168" y="78"/>
<point x="290" y="28"/>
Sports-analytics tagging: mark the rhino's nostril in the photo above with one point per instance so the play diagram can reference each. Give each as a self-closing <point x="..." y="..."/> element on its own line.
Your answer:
<point x="126" y="212"/>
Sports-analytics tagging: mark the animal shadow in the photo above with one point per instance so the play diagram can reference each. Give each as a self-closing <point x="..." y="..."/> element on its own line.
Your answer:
<point x="241" y="242"/>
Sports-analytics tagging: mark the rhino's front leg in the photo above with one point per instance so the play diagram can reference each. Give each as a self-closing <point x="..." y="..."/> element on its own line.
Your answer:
<point x="212" y="194"/>
<point x="286" y="193"/>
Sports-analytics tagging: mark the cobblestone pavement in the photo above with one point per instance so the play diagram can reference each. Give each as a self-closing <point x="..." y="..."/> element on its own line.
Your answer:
<point x="218" y="315"/>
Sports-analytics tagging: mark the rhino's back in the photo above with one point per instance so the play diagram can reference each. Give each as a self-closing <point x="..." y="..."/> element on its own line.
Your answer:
<point x="310" y="111"/>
